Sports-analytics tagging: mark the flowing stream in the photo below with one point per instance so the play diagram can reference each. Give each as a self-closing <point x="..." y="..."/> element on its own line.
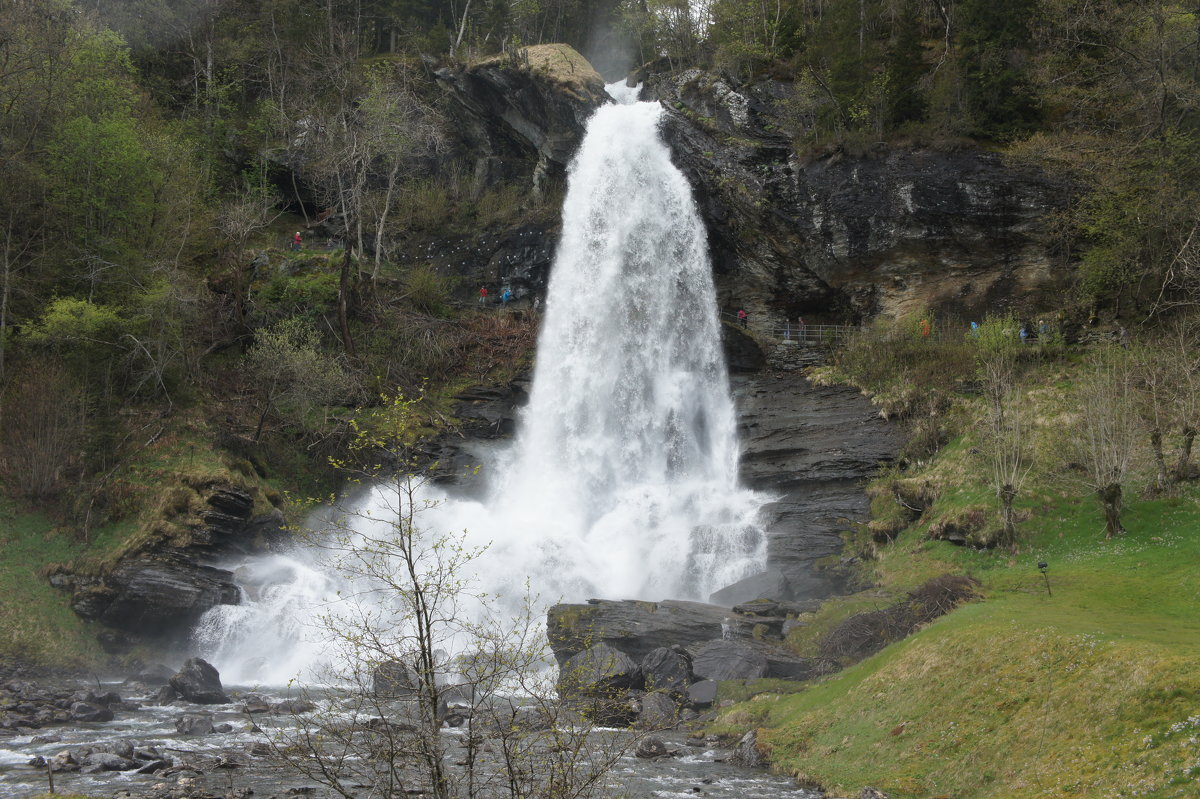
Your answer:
<point x="622" y="480"/>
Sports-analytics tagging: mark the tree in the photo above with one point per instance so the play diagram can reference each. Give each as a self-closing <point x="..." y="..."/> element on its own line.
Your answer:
<point x="994" y="40"/>
<point x="415" y="645"/>
<point x="1108" y="430"/>
<point x="905" y="68"/>
<point x="292" y="374"/>
<point x="1007" y="441"/>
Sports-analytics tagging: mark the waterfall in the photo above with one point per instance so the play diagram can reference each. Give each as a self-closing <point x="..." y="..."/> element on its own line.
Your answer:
<point x="622" y="479"/>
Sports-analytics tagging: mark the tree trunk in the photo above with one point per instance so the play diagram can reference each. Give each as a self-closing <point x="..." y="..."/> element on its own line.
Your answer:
<point x="343" y="300"/>
<point x="1161" y="481"/>
<point x="1183" y="466"/>
<point x="1007" y="494"/>
<point x="1110" y="499"/>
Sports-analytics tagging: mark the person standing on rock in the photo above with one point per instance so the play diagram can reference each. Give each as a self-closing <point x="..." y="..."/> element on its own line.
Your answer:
<point x="742" y="316"/>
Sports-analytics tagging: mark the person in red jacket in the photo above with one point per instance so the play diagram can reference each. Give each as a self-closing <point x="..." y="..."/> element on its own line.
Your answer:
<point x="742" y="316"/>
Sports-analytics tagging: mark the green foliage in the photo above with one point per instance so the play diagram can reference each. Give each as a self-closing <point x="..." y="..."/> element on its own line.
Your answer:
<point x="427" y="290"/>
<point x="294" y="376"/>
<point x="308" y="294"/>
<point x="994" y="38"/>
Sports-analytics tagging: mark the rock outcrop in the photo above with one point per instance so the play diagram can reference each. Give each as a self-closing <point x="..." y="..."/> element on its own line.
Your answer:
<point x="163" y="586"/>
<point x="889" y="230"/>
<point x="813" y="447"/>
<point x="527" y="107"/>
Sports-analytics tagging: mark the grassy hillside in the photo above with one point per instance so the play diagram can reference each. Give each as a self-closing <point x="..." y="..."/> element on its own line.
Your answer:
<point x="1091" y="689"/>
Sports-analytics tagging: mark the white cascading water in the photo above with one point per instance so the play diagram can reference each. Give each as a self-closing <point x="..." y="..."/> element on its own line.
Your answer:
<point x="622" y="479"/>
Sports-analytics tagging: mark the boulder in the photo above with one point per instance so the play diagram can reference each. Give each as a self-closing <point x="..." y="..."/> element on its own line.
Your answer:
<point x="746" y="754"/>
<point x="650" y="748"/>
<point x="659" y="711"/>
<point x="153" y="766"/>
<point x="636" y="628"/>
<point x="255" y="703"/>
<point x="759" y="607"/>
<point x="394" y="678"/>
<point x="599" y="671"/>
<point x="86" y="711"/>
<point x="728" y="660"/>
<point x="194" y="724"/>
<point x="294" y="706"/>
<point x="667" y="669"/>
<point x="105" y="761"/>
<point x="166" y="695"/>
<point x="199" y="682"/>
<point x="702" y="693"/>
<point x="744" y="659"/>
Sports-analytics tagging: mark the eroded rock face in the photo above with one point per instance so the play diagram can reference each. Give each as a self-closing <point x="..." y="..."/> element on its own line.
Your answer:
<point x="813" y="447"/>
<point x="533" y="107"/>
<point x="888" y="231"/>
<point x="162" y="589"/>
<point x="153" y="595"/>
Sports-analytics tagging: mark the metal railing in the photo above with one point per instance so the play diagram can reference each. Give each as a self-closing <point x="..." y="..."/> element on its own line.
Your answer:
<point x="807" y="333"/>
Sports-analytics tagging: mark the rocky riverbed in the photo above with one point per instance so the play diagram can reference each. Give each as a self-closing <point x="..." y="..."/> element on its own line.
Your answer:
<point x="123" y="739"/>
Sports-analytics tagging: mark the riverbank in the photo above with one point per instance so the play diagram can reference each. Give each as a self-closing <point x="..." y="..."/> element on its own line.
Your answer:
<point x="1084" y="680"/>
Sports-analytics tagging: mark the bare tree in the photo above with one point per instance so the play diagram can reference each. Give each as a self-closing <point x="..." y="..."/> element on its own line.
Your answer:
<point x="415" y="646"/>
<point x="1007" y="443"/>
<point x="1182" y="344"/>
<point x="1156" y="388"/>
<point x="1108" y="429"/>
<point x="240" y="218"/>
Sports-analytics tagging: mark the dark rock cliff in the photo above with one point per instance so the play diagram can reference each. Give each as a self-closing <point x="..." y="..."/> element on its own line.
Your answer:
<point x="895" y="229"/>
<point x="161" y="587"/>
<point x="522" y="115"/>
<point x="899" y="228"/>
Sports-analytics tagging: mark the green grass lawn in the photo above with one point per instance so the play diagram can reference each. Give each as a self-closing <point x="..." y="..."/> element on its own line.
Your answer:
<point x="35" y="620"/>
<point x="1091" y="691"/>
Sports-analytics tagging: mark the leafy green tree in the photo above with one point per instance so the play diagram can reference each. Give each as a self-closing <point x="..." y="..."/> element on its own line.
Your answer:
<point x="293" y="375"/>
<point x="994" y="40"/>
<point x="906" y="68"/>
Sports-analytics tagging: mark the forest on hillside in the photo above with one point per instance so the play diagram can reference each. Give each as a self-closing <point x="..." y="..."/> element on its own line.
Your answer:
<point x="147" y="154"/>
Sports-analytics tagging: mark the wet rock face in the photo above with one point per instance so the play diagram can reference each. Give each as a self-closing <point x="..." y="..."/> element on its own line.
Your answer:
<point x="156" y="595"/>
<point x="164" y="589"/>
<point x="813" y="447"/>
<point x="889" y="230"/>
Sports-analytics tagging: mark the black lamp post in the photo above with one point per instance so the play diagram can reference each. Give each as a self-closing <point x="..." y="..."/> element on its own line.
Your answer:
<point x="1042" y="567"/>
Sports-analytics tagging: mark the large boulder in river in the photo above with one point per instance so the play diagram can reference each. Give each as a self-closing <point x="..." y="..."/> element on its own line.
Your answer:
<point x="667" y="669"/>
<point x="199" y="682"/>
<point x="195" y="724"/>
<point x="636" y="628"/>
<point x="599" y="671"/>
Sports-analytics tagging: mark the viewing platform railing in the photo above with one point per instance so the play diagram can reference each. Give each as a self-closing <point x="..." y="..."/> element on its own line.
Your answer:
<point x="831" y="335"/>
